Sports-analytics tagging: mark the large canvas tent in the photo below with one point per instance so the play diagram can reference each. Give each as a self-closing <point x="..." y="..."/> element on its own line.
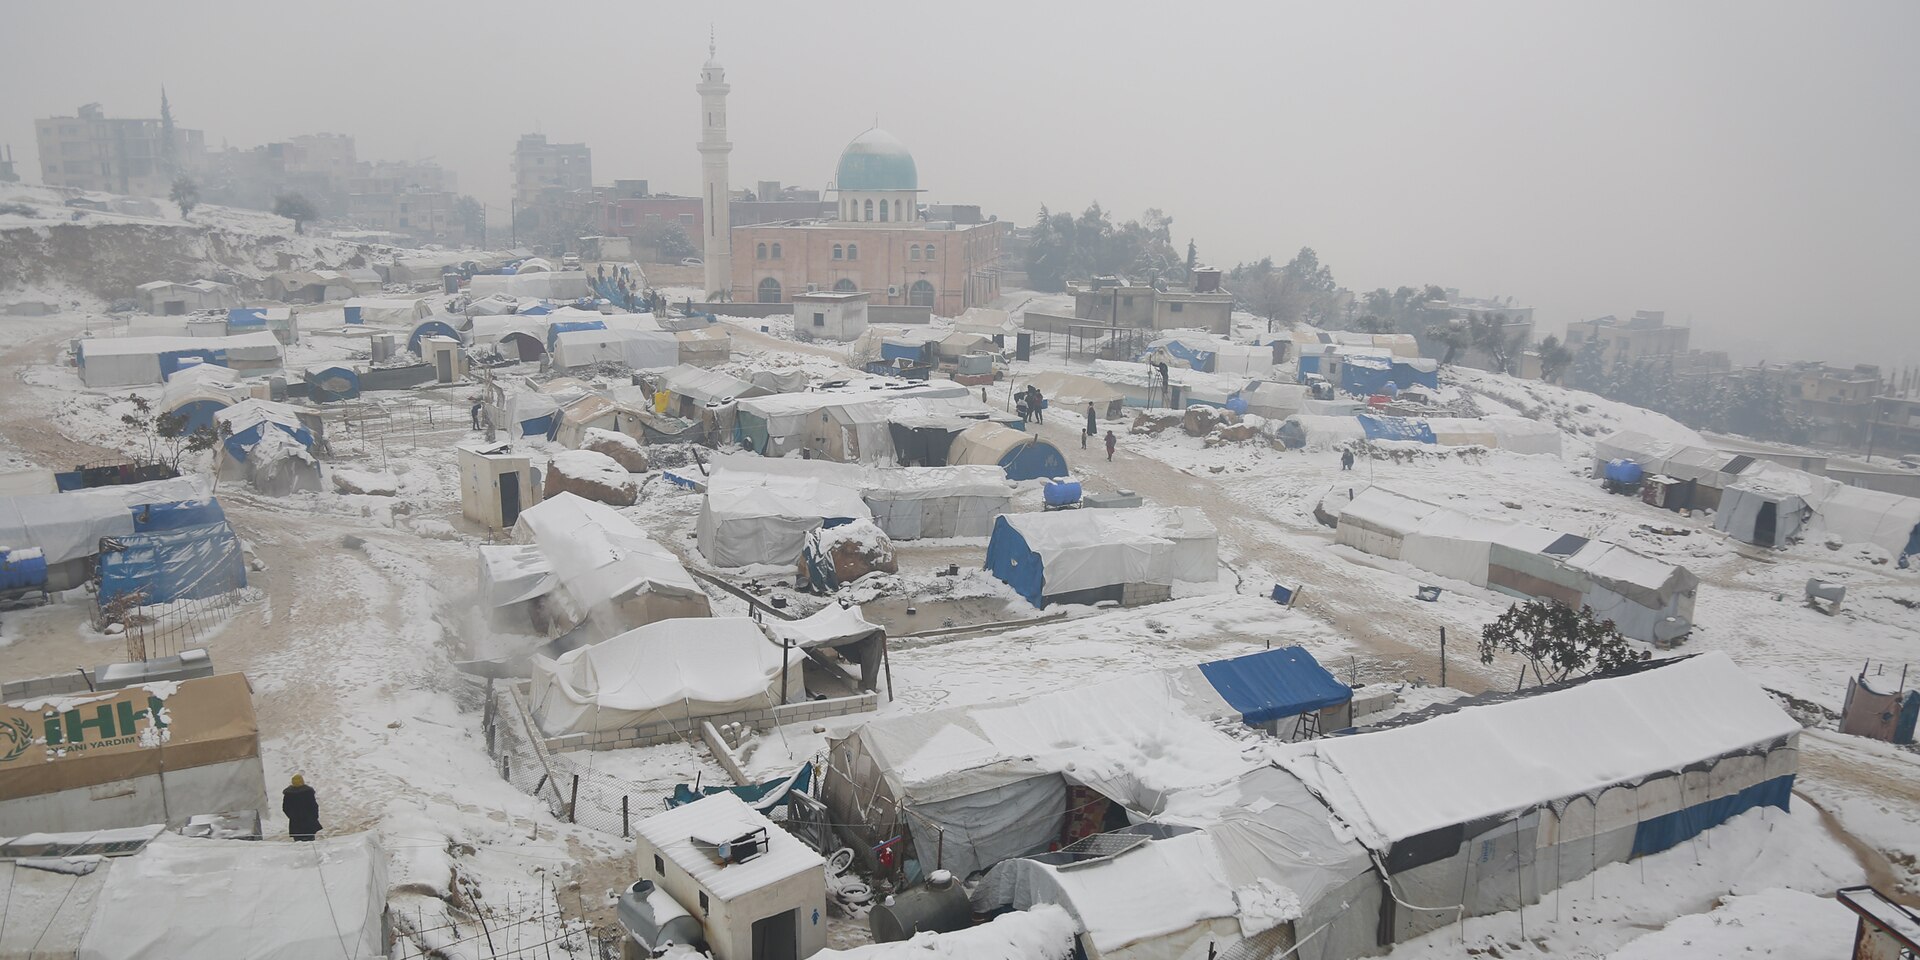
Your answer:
<point x="1204" y="353"/>
<point x="846" y="423"/>
<point x="971" y="786"/>
<point x="180" y="563"/>
<point x="1142" y="386"/>
<point x="1516" y="434"/>
<point x="514" y="581"/>
<point x="1023" y="456"/>
<point x="907" y="503"/>
<point x="1072" y="392"/>
<point x="67" y="527"/>
<point x="750" y="518"/>
<point x="636" y="349"/>
<point x="270" y="445"/>
<point x="1087" y="556"/>
<point x="605" y="568"/>
<point x="170" y="751"/>
<point x="670" y="670"/>
<point x="135" y="361"/>
<point x="1771" y="505"/>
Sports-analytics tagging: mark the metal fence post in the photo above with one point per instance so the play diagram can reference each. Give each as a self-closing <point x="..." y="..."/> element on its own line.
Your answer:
<point x="573" y="801"/>
<point x="624" y="828"/>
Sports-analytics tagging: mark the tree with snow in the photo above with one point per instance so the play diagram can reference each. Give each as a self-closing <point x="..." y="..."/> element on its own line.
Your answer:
<point x="168" y="439"/>
<point x="1554" y="358"/>
<point x="1558" y="641"/>
<point x="295" y="207"/>
<point x="186" y="193"/>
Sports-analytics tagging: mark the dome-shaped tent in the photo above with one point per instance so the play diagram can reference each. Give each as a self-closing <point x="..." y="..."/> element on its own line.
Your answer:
<point x="430" y="328"/>
<point x="1023" y="456"/>
<point x="333" y="382"/>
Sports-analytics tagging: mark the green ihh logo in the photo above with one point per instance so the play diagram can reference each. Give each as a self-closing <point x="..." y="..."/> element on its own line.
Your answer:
<point x="112" y="724"/>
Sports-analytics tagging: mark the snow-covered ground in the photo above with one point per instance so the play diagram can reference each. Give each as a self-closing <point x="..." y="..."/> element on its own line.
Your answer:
<point x="365" y="604"/>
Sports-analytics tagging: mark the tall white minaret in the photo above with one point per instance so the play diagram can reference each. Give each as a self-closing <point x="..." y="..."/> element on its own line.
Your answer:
<point x="713" y="175"/>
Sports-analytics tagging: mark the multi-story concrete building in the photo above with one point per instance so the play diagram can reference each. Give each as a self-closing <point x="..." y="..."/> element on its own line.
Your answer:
<point x="877" y="243"/>
<point x="1896" y="424"/>
<point x="1838" y="400"/>
<point x="1122" y="303"/>
<point x="1645" y="337"/>
<point x="90" y="151"/>
<point x="542" y="169"/>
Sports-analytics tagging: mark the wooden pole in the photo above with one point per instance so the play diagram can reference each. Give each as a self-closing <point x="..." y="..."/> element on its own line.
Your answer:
<point x="1443" y="656"/>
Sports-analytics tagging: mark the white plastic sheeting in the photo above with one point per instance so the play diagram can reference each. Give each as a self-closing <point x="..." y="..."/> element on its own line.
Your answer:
<point x="847" y="422"/>
<point x="513" y="574"/>
<point x="704" y="386"/>
<point x="638" y="349"/>
<point x="1377" y="521"/>
<point x="1141" y="383"/>
<point x="1045" y="932"/>
<point x="1395" y="784"/>
<point x="664" y="671"/>
<point x="390" y="311"/>
<point x="68" y="526"/>
<point x="907" y="503"/>
<point x="239" y="898"/>
<point x="1089" y="549"/>
<point x="132" y="361"/>
<point x="603" y="563"/>
<point x="1455" y="545"/>
<point x="763" y="518"/>
<point x="829" y="626"/>
<point x="541" y="285"/>
<point x="1148" y="903"/>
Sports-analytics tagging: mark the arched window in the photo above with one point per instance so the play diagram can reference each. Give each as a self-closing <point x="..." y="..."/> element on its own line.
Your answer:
<point x="913" y="251"/>
<point x="839" y="252"/>
<point x="929" y="251"/>
<point x="853" y="251"/>
<point x="843" y="285"/>
<point x="770" y="291"/>
<point x="776" y="251"/>
<point x="896" y="212"/>
<point x="920" y="294"/>
<point x="883" y="211"/>
<point x="869" y="215"/>
<point x="760" y="252"/>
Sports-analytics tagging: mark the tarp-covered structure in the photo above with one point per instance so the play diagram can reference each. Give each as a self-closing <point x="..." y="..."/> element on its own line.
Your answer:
<point x="135" y="361"/>
<point x="169" y="750"/>
<point x="1771" y="505"/>
<point x="970" y="786"/>
<point x="750" y="518"/>
<point x="176" y="563"/>
<point x="635" y="349"/>
<point x="1515" y="434"/>
<point x="268" y="444"/>
<point x="670" y="670"/>
<point x="605" y="568"/>
<point x="539" y="285"/>
<point x="401" y="312"/>
<point x="196" y="393"/>
<point x="515" y="579"/>
<point x="1087" y="556"/>
<point x="1203" y="353"/>
<point x="184" y="897"/>
<point x="1647" y="599"/>
<point x="1141" y="385"/>
<point x="1022" y="455"/>
<point x="907" y="503"/>
<point x="67" y="527"/>
<point x="923" y="430"/>
<point x="1702" y="471"/>
<point x="847" y="423"/>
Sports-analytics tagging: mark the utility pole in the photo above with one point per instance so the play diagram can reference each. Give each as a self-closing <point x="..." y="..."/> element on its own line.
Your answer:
<point x="1443" y="656"/>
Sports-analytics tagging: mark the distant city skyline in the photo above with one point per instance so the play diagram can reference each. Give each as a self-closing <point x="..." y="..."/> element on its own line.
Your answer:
<point x="1740" y="165"/>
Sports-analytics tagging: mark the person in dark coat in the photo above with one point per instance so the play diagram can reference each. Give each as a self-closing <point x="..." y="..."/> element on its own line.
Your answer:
<point x="1346" y="459"/>
<point x="1112" y="441"/>
<point x="1093" y="426"/>
<point x="302" y="809"/>
<point x="1038" y="402"/>
<point x="476" y="414"/>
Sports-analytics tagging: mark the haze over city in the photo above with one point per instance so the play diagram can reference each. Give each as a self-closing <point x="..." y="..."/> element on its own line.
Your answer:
<point x="1744" y="166"/>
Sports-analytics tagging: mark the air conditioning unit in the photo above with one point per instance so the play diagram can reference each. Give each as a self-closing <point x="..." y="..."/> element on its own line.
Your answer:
<point x="893" y="291"/>
<point x="747" y="843"/>
<point x="813" y="288"/>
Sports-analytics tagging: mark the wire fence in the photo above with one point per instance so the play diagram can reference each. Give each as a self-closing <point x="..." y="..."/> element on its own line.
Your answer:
<point x="519" y="928"/>
<point x="164" y="629"/>
<point x="572" y="791"/>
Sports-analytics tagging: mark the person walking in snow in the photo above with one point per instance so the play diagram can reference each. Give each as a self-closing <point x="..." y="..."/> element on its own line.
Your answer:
<point x="302" y="809"/>
<point x="1038" y="402"/>
<point x="476" y="414"/>
<point x="1346" y="459"/>
<point x="1112" y="441"/>
<point x="1093" y="427"/>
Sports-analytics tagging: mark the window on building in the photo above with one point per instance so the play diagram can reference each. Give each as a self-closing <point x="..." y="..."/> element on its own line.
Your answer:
<point x="659" y="866"/>
<point x="929" y="251"/>
<point x="703" y="903"/>
<point x="883" y="211"/>
<point x="853" y="251"/>
<point x="760" y="251"/>
<point x="869" y="208"/>
<point x="920" y="294"/>
<point x="776" y="251"/>
<point x="819" y="319"/>
<point x="897" y="216"/>
<point x="769" y="290"/>
<point x="913" y="251"/>
<point x="843" y="285"/>
<point x="839" y="252"/>
<point x="1177" y="307"/>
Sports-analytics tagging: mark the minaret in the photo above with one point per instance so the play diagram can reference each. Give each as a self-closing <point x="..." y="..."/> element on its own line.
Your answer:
<point x="713" y="175"/>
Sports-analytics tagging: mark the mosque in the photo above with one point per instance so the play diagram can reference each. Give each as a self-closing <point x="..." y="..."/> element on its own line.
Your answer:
<point x="880" y="242"/>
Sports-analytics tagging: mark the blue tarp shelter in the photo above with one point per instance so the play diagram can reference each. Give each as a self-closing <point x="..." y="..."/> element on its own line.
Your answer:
<point x="1273" y="684"/>
<point x="251" y="419"/>
<point x="1396" y="428"/>
<point x="244" y="318"/>
<point x="430" y="328"/>
<point x="180" y="564"/>
<point x="1201" y="360"/>
<point x="1022" y="455"/>
<point x="554" y="330"/>
<point x="333" y="382"/>
<point x="172" y="360"/>
<point x="198" y="412"/>
<point x="763" y="796"/>
<point x="152" y="517"/>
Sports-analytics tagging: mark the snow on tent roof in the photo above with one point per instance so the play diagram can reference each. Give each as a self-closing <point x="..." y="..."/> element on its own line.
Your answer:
<point x="739" y="494"/>
<point x="674" y="669"/>
<point x="705" y="386"/>
<point x="1642" y="578"/>
<point x="829" y="626"/>
<point x="1214" y="387"/>
<point x="723" y="814"/>
<point x="1073" y="389"/>
<point x="237" y="898"/>
<point x="597" y="554"/>
<point x="1493" y="760"/>
<point x="514" y="574"/>
<point x="262" y="345"/>
<point x="1131" y="898"/>
<point x="1041" y="932"/>
<point x="889" y="483"/>
<point x="1271" y="684"/>
<point x="1387" y="511"/>
<point x="858" y="391"/>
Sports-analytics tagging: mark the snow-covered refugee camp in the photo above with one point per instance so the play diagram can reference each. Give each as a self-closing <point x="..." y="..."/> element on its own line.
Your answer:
<point x="1005" y="482"/>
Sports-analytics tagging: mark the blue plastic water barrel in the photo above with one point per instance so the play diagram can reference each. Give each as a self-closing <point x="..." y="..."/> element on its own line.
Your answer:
<point x="1237" y="403"/>
<point x="20" y="572"/>
<point x="1059" y="493"/>
<point x="1624" y="472"/>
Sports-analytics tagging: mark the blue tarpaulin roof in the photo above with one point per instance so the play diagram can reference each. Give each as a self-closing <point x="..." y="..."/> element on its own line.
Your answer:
<point x="164" y="566"/>
<point x="1272" y="684"/>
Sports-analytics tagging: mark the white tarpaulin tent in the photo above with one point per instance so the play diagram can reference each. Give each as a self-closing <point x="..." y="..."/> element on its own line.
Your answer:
<point x="512" y="575"/>
<point x="847" y="423"/>
<point x="242" y="899"/>
<point x="1378" y="521"/>
<point x="763" y="518"/>
<point x="1147" y="903"/>
<point x="701" y="386"/>
<point x="68" y="526"/>
<point x="670" y="670"/>
<point x="1064" y="556"/>
<point x="638" y="349"/>
<point x="604" y="567"/>
<point x="538" y="285"/>
<point x="133" y="361"/>
<point x="1770" y="504"/>
<point x="1142" y="386"/>
<point x="908" y="502"/>
<point x="1455" y="545"/>
<point x="1073" y="392"/>
<point x="387" y="311"/>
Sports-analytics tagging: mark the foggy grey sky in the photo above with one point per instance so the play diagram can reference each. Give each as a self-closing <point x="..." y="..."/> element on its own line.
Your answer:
<point x="1749" y="166"/>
